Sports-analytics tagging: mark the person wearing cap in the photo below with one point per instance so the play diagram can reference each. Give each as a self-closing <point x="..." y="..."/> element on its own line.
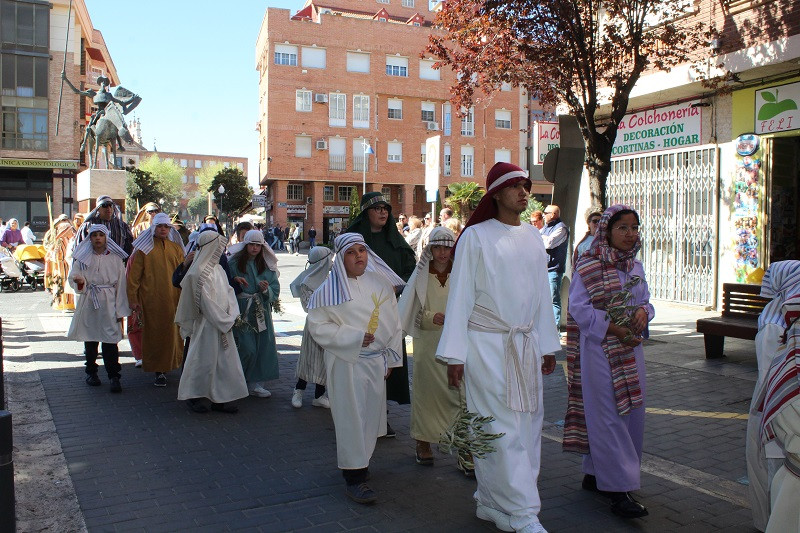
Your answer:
<point x="496" y="337"/>
<point x="157" y="253"/>
<point x="379" y="230"/>
<point x="98" y="277"/>
<point x="254" y="266"/>
<point x="107" y="213"/>
<point x="353" y="316"/>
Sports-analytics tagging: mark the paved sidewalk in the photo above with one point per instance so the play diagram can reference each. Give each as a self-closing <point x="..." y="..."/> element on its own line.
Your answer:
<point x="140" y="461"/>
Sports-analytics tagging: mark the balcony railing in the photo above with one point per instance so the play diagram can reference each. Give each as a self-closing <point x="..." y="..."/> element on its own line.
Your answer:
<point x="359" y="161"/>
<point x="337" y="162"/>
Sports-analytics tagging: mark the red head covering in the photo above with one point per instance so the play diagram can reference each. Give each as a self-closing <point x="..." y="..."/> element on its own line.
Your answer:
<point x="500" y="176"/>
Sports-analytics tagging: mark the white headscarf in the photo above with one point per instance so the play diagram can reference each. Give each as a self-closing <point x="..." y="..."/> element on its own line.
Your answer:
<point x="210" y="246"/>
<point x="335" y="289"/>
<point x="781" y="280"/>
<point x="414" y="295"/>
<point x="144" y="242"/>
<point x="83" y="252"/>
<point x="320" y="260"/>
<point x="255" y="236"/>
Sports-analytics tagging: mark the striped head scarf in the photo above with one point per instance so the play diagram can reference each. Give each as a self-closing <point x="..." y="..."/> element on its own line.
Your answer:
<point x="320" y="260"/>
<point x="335" y="290"/>
<point x="144" y="241"/>
<point x="83" y="251"/>
<point x="255" y="236"/>
<point x="416" y="291"/>
<point x="783" y="381"/>
<point x="210" y="246"/>
<point x="781" y="280"/>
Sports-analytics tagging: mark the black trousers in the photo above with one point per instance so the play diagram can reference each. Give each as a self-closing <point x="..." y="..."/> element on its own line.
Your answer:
<point x="319" y="390"/>
<point x="110" y="358"/>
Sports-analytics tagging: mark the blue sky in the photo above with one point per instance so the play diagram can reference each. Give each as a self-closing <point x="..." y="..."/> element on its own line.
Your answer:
<point x="193" y="64"/>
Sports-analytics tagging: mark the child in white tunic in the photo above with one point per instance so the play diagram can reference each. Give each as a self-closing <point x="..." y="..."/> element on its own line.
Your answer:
<point x="97" y="275"/>
<point x="353" y="316"/>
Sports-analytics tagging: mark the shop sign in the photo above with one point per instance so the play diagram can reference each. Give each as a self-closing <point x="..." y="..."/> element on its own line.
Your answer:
<point x="777" y="108"/>
<point x="283" y="204"/>
<point x="296" y="209"/>
<point x="38" y="163"/>
<point x="259" y="201"/>
<point x="747" y="144"/>
<point x="665" y="128"/>
<point x="336" y="210"/>
<point x="546" y="136"/>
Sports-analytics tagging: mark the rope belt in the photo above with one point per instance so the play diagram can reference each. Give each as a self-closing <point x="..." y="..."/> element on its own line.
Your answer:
<point x="94" y="293"/>
<point x="522" y="374"/>
<point x="386" y="353"/>
<point x="792" y="464"/>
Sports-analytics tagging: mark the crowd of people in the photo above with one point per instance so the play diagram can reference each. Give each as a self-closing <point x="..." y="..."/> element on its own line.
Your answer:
<point x="479" y="303"/>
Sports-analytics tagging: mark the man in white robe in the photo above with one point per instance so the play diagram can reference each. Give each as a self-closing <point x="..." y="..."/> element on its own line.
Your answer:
<point x="357" y="357"/>
<point x="499" y="327"/>
<point x="207" y="309"/>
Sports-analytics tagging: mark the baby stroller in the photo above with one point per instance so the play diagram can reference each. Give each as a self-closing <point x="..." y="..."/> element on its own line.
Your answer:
<point x="30" y="259"/>
<point x="10" y="274"/>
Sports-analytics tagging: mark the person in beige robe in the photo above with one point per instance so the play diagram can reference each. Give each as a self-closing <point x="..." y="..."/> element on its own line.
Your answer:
<point x="157" y="253"/>
<point x="434" y="405"/>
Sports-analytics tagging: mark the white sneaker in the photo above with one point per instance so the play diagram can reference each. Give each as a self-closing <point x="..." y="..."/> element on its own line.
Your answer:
<point x="138" y="363"/>
<point x="258" y="390"/>
<point x="533" y="527"/>
<point x="500" y="519"/>
<point x="322" y="401"/>
<point x="297" y="399"/>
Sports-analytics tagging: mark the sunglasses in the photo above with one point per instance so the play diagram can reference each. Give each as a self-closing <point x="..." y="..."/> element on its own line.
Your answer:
<point x="107" y="204"/>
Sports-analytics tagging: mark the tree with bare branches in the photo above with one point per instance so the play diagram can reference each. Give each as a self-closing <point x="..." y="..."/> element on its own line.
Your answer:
<point x="581" y="53"/>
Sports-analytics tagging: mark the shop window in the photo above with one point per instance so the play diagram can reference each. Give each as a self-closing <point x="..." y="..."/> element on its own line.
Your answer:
<point x="327" y="193"/>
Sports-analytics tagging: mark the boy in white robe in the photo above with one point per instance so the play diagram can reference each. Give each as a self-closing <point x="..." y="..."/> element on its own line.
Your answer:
<point x="97" y="275"/>
<point x="353" y="316"/>
<point x="207" y="309"/>
<point x="499" y="328"/>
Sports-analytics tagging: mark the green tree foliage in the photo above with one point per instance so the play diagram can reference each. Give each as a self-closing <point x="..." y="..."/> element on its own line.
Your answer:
<point x="198" y="206"/>
<point x="167" y="173"/>
<point x="355" y="205"/>
<point x="573" y="52"/>
<point x="533" y="205"/>
<point x="140" y="187"/>
<point x="237" y="192"/>
<point x="205" y="175"/>
<point x="464" y="198"/>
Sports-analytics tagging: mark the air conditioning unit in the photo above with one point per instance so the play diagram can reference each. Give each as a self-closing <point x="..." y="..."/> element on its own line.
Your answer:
<point x="309" y="200"/>
<point x="321" y="98"/>
<point x="322" y="144"/>
<point x="432" y="126"/>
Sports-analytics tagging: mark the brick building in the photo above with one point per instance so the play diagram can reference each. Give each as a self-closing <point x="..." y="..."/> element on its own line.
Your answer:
<point x="34" y="161"/>
<point x="339" y="75"/>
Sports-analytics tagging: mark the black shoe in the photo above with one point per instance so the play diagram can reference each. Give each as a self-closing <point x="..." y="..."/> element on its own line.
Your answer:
<point x="161" y="379"/>
<point x="623" y="504"/>
<point x="390" y="433"/>
<point x="93" y="380"/>
<point x="224" y="407"/>
<point x="424" y="461"/>
<point x="360" y="493"/>
<point x="197" y="405"/>
<point x="115" y="386"/>
<point x="590" y="483"/>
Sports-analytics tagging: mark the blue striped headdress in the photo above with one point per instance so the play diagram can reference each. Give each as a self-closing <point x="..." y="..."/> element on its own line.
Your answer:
<point x="781" y="281"/>
<point x="83" y="252"/>
<point x="335" y="289"/>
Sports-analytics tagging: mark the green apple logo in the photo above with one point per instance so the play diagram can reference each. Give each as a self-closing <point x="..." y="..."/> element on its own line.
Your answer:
<point x="772" y="107"/>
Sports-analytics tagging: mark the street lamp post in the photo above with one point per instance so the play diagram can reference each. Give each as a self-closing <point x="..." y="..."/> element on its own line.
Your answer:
<point x="221" y="192"/>
<point x="367" y="150"/>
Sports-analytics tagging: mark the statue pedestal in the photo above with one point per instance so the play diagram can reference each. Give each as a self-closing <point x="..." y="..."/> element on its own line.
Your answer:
<point x="96" y="182"/>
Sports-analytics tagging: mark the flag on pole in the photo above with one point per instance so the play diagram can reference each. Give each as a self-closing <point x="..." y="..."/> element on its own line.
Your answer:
<point x="368" y="149"/>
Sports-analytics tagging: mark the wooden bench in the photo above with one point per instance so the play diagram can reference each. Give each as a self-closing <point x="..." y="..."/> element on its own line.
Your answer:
<point x="741" y="305"/>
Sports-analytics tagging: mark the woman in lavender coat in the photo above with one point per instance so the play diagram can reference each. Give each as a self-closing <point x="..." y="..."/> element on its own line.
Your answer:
<point x="609" y="309"/>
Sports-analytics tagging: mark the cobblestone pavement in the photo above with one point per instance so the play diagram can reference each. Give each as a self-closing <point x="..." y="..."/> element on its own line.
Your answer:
<point x="140" y="461"/>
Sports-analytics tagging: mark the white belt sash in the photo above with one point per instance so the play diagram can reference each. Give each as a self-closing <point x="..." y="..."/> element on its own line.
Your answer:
<point x="386" y="353"/>
<point x="522" y="381"/>
<point x="93" y="293"/>
<point x="260" y="318"/>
